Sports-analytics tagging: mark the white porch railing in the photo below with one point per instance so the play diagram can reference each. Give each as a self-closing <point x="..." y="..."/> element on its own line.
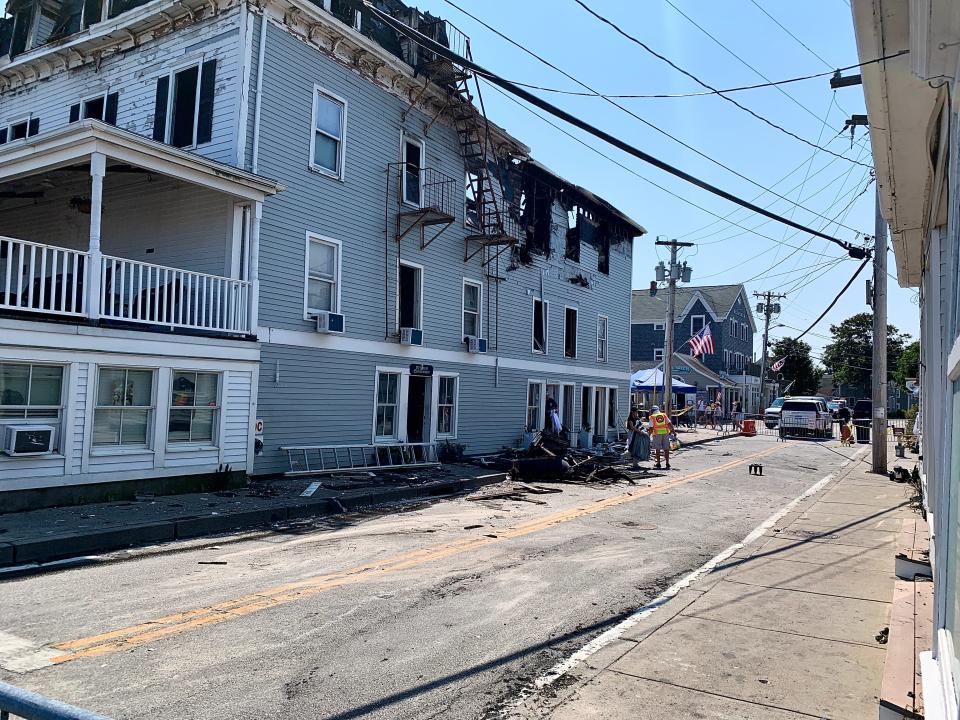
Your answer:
<point x="158" y="295"/>
<point x="41" y="278"/>
<point x="52" y="280"/>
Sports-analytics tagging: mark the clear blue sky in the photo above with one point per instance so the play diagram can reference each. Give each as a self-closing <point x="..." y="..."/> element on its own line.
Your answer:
<point x="563" y="33"/>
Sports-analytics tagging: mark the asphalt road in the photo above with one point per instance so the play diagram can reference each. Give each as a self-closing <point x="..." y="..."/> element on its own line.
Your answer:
<point x="441" y="610"/>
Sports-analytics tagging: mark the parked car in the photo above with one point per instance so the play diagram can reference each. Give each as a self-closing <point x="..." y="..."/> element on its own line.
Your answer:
<point x="806" y="417"/>
<point x="833" y="406"/>
<point x="863" y="410"/>
<point x="771" y="416"/>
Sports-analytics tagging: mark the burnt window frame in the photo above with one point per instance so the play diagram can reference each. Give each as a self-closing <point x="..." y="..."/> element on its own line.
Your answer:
<point x="201" y="133"/>
<point x="566" y="331"/>
<point x="545" y="315"/>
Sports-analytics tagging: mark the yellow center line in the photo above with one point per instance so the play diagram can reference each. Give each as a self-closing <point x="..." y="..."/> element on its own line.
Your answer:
<point x="178" y="623"/>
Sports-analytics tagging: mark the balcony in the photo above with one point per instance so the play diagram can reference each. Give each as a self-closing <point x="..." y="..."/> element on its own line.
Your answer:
<point x="421" y="198"/>
<point x="127" y="232"/>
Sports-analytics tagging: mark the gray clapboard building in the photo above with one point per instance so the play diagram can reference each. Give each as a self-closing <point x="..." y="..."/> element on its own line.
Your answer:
<point x="231" y="227"/>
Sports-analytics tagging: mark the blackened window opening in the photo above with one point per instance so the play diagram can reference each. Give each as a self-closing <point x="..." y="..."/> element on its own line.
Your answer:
<point x="572" y="250"/>
<point x="570" y="333"/>
<point x="184" y="107"/>
<point x="409" y="296"/>
<point x="539" y="326"/>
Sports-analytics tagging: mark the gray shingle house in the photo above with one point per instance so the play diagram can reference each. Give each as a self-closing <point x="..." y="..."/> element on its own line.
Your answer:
<point x="230" y="225"/>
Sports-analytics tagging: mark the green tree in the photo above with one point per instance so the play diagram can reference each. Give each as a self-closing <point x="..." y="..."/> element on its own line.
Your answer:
<point x="850" y="355"/>
<point x="908" y="364"/>
<point x="798" y="368"/>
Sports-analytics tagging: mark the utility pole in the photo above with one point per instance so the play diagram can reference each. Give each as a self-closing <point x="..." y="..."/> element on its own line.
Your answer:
<point x="673" y="273"/>
<point x="768" y="307"/>
<point x="879" y="429"/>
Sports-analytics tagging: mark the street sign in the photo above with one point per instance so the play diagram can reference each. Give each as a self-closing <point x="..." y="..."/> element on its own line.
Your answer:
<point x="898" y="431"/>
<point x="421" y="370"/>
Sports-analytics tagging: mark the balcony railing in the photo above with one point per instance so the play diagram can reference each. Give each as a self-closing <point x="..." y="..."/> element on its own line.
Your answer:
<point x="51" y="280"/>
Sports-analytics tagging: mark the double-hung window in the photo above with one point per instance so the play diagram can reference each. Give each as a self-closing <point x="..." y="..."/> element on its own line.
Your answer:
<point x="323" y="275"/>
<point x="658" y="354"/>
<point x="327" y="140"/>
<point x="541" y="318"/>
<point x="601" y="338"/>
<point x="183" y="110"/>
<point x="31" y="392"/>
<point x="388" y="401"/>
<point x="194" y="407"/>
<point x="446" y="406"/>
<point x="472" y="299"/>
<point x="124" y="407"/>
<point x="413" y="163"/>
<point x="570" y="332"/>
<point x="534" y="396"/>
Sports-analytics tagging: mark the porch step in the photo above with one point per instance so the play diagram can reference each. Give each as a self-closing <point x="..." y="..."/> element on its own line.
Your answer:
<point x="913" y="550"/>
<point x="320" y="459"/>
<point x="911" y="633"/>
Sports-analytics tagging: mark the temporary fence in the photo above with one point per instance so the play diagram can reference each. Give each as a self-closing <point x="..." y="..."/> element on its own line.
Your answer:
<point x="16" y="702"/>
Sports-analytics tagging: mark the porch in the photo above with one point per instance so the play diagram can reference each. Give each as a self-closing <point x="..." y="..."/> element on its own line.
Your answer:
<point x="102" y="226"/>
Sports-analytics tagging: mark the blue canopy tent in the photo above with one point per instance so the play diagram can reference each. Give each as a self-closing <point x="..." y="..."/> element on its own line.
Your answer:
<point x="651" y="380"/>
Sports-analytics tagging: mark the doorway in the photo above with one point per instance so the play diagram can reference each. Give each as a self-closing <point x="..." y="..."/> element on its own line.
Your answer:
<point x="418" y="415"/>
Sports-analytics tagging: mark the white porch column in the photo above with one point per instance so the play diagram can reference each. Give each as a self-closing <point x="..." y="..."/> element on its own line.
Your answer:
<point x="254" y="264"/>
<point x="98" y="168"/>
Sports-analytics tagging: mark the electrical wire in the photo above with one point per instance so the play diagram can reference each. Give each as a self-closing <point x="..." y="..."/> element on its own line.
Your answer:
<point x="833" y="302"/>
<point x="696" y="79"/>
<point x="543" y="104"/>
<point x="787" y="31"/>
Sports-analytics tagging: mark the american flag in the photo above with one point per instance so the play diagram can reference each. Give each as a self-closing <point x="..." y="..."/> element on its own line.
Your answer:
<point x="778" y="365"/>
<point x="702" y="342"/>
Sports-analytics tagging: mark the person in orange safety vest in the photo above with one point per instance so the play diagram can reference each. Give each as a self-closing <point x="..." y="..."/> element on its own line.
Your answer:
<point x="660" y="430"/>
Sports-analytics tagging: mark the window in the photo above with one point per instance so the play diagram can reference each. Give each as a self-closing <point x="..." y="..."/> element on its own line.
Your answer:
<point x="184" y="117"/>
<point x="413" y="153"/>
<point x="124" y="406"/>
<point x="471" y="209"/>
<point x="534" y="398"/>
<point x="388" y="395"/>
<point x="326" y="144"/>
<point x="28" y="127"/>
<point x="194" y="407"/>
<point x="570" y="332"/>
<point x="696" y="324"/>
<point x="410" y="296"/>
<point x="658" y="354"/>
<point x="572" y="249"/>
<point x="99" y="107"/>
<point x="472" y="299"/>
<point x="601" y="338"/>
<point x="612" y="408"/>
<point x="659" y="326"/>
<point x="446" y="406"/>
<point x="541" y="311"/>
<point x="345" y="11"/>
<point x="31" y="392"/>
<point x="323" y="275"/>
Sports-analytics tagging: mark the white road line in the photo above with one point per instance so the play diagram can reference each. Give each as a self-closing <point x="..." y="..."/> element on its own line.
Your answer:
<point x="614" y="633"/>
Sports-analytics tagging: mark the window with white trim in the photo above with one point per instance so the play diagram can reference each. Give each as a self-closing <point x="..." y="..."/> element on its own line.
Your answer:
<point x="446" y="406"/>
<point x="659" y="326"/>
<point x="20" y="129"/>
<point x="101" y="107"/>
<point x="534" y="397"/>
<point x="124" y="409"/>
<point x="323" y="275"/>
<point x="31" y="392"/>
<point x="570" y="332"/>
<point x="413" y="163"/>
<point x="541" y="319"/>
<point x="658" y="354"/>
<point x="410" y="296"/>
<point x="696" y="324"/>
<point x="326" y="142"/>
<point x="388" y="406"/>
<point x="472" y="303"/>
<point x="612" y="408"/>
<point x="183" y="117"/>
<point x="194" y="407"/>
<point x="601" y="338"/>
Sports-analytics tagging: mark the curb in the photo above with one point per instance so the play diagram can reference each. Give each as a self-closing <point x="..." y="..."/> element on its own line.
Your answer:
<point x="60" y="547"/>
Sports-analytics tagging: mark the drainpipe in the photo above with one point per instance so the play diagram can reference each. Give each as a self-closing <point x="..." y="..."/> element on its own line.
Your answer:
<point x="258" y="104"/>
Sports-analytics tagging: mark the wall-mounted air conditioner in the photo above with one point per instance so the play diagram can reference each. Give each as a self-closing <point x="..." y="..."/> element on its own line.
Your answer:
<point x="411" y="336"/>
<point x="22" y="440"/>
<point x="328" y="322"/>
<point x="476" y="345"/>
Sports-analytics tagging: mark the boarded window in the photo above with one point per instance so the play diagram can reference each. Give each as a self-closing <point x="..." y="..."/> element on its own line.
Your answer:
<point x="540" y="310"/>
<point x="570" y="332"/>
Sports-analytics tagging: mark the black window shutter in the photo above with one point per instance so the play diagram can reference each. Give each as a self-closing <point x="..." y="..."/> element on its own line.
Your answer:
<point x="3" y="136"/>
<point x="33" y="127"/>
<point x="74" y="112"/>
<point x="208" y="80"/>
<point x="110" y="112"/>
<point x="160" y="109"/>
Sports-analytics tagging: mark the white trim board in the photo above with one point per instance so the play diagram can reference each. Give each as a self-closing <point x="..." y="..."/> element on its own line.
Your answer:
<point x="408" y="353"/>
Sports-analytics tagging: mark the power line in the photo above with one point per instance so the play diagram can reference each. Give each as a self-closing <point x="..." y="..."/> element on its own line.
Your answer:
<point x="836" y="299"/>
<point x="787" y="31"/>
<point x="544" y="105"/>
<point x="705" y="93"/>
<point x="690" y="75"/>
<point x="742" y="61"/>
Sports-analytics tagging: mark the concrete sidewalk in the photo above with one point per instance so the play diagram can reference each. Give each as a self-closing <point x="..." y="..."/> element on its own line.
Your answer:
<point x="783" y="629"/>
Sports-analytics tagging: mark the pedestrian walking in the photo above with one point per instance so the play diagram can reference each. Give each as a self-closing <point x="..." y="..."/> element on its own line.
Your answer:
<point x="701" y="412"/>
<point x="737" y="415"/>
<point x="660" y="430"/>
<point x="638" y="442"/>
<point x="711" y="409"/>
<point x="843" y="417"/>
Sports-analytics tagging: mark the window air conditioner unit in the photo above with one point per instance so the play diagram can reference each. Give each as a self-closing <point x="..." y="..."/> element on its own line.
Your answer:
<point x="22" y="440"/>
<point x="411" y="336"/>
<point x="328" y="322"/>
<point x="476" y="345"/>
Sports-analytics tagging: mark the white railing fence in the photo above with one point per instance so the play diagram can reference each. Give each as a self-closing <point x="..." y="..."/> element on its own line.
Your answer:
<point x="41" y="278"/>
<point x="158" y="295"/>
